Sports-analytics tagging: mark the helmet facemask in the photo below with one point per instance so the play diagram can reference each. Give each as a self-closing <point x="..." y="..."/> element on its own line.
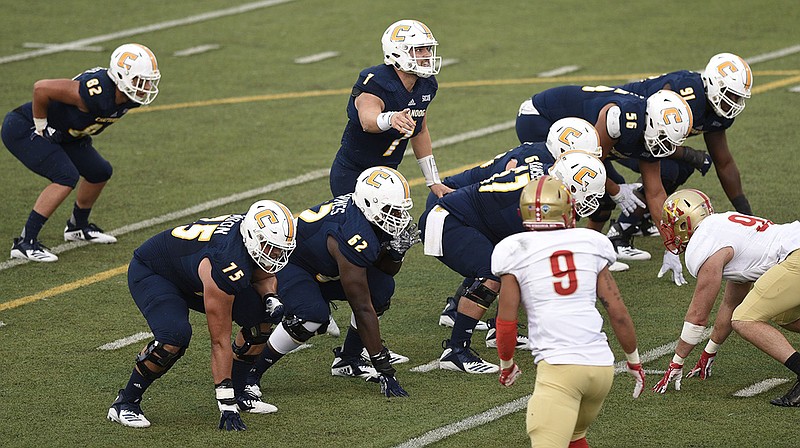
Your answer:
<point x="268" y="232"/>
<point x="409" y="46"/>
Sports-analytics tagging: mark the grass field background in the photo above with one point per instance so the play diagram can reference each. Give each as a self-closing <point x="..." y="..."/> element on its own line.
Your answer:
<point x="245" y="115"/>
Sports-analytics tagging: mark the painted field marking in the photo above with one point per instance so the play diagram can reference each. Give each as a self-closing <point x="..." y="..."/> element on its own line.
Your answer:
<point x="126" y="341"/>
<point x="559" y="71"/>
<point x="86" y="281"/>
<point x="316" y="57"/>
<point x="190" y="20"/>
<point x="196" y="50"/>
<point x="795" y="89"/>
<point x="91" y="48"/>
<point x="759" y="387"/>
<point x="446" y="62"/>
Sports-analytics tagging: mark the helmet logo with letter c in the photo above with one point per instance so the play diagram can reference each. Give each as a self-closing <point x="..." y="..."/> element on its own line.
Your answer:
<point x="566" y="133"/>
<point x="373" y="178"/>
<point x="671" y="112"/>
<point x="582" y="173"/>
<point x="264" y="217"/>
<point x="123" y="60"/>
<point x="396" y="37"/>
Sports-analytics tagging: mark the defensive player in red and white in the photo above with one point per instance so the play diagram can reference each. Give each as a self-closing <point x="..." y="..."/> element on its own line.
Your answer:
<point x="558" y="272"/>
<point x="748" y="252"/>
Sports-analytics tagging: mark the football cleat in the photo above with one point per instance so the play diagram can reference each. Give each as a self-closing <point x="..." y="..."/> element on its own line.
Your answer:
<point x="127" y="413"/>
<point x="491" y="337"/>
<point x="33" y="251"/>
<point x="623" y="243"/>
<point x="250" y="401"/>
<point x="355" y="367"/>
<point x="791" y="398"/>
<point x="464" y="359"/>
<point x="394" y="358"/>
<point x="646" y="228"/>
<point x="448" y="316"/>
<point x="90" y="233"/>
<point x="333" y="328"/>
<point x="618" y="266"/>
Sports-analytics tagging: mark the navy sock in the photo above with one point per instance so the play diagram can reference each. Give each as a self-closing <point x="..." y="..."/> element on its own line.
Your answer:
<point x="80" y="216"/>
<point x="32" y="227"/>
<point x="264" y="361"/>
<point x="137" y="384"/>
<point x="239" y="373"/>
<point x="793" y="363"/>
<point x="353" y="344"/>
<point x="462" y="330"/>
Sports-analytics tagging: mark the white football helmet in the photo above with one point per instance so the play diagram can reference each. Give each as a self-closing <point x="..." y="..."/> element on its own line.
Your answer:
<point x="134" y="69"/>
<point x="573" y="133"/>
<point x="383" y="195"/>
<point x="409" y="46"/>
<point x="268" y="230"/>
<point x="585" y="178"/>
<point x="667" y="124"/>
<point x="728" y="81"/>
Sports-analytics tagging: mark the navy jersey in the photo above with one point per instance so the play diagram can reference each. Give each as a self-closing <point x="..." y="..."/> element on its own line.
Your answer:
<point x="523" y="154"/>
<point x="176" y="254"/>
<point x="361" y="149"/>
<point x="359" y="241"/>
<point x="587" y="101"/>
<point x="492" y="206"/>
<point x="99" y="93"/>
<point x="690" y="86"/>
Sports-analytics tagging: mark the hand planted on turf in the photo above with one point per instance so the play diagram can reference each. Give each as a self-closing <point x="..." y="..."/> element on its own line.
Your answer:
<point x="672" y="262"/>
<point x="638" y="374"/>
<point x="509" y="375"/>
<point x="626" y="199"/>
<point x="703" y="366"/>
<point x="673" y="373"/>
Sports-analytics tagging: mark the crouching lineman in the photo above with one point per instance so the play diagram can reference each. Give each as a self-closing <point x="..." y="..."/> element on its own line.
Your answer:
<point x="344" y="253"/>
<point x="219" y="266"/>
<point x="557" y="272"/>
<point x="748" y="252"/>
<point x="463" y="227"/>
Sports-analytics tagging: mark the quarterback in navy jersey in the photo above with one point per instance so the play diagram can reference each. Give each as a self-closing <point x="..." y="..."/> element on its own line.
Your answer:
<point x="223" y="267"/>
<point x="388" y="108"/>
<point x="342" y="255"/>
<point x="462" y="228"/>
<point x="51" y="136"/>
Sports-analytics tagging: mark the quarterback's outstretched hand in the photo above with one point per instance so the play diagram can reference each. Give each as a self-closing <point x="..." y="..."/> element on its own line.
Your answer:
<point x="703" y="366"/>
<point x="672" y="262"/>
<point x="673" y="373"/>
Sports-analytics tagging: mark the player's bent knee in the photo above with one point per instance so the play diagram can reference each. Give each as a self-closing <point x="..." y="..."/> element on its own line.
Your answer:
<point x="255" y="336"/>
<point x="481" y="294"/>
<point x="302" y="330"/>
<point x="157" y="358"/>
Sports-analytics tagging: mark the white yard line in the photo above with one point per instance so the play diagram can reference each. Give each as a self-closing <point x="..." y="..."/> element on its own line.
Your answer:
<point x="777" y="54"/>
<point x="190" y="20"/>
<point x="92" y="48"/>
<point x="126" y="341"/>
<point x="301" y="179"/>
<point x="759" y="387"/>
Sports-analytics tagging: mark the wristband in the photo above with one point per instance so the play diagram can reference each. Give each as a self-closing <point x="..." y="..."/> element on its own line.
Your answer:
<point x="224" y="392"/>
<point x="381" y="362"/>
<point x="39" y="124"/>
<point x="712" y="347"/>
<point x="633" y="358"/>
<point x="691" y="333"/>
<point x="384" y="120"/>
<point x="429" y="170"/>
<point x="677" y="359"/>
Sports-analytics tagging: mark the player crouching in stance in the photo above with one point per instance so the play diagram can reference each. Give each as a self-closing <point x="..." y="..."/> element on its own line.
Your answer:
<point x="557" y="271"/>
<point x="219" y="266"/>
<point x="748" y="252"/>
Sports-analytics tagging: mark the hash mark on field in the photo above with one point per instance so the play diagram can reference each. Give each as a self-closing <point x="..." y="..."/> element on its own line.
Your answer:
<point x="126" y="341"/>
<point x="559" y="71"/>
<point x="795" y="89"/>
<point x="92" y="48"/>
<point x="759" y="387"/>
<point x="446" y="62"/>
<point x="196" y="50"/>
<point x="316" y="57"/>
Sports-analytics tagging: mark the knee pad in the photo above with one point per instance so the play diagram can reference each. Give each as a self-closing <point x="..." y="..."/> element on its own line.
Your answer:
<point x="158" y="355"/>
<point x="302" y="330"/>
<point x="252" y="336"/>
<point x="380" y="309"/>
<point x="480" y="294"/>
<point x="99" y="173"/>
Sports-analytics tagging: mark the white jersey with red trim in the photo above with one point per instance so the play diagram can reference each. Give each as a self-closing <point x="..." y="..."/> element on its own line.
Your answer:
<point x="757" y="243"/>
<point x="557" y="274"/>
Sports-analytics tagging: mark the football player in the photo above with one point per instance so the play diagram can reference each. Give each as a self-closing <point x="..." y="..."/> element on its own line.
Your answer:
<point x="223" y="267"/>
<point x="557" y="272"/>
<point x="388" y="108"/>
<point x="716" y="96"/>
<point x="629" y="126"/>
<point x="462" y="228"/>
<point x="347" y="250"/>
<point x="760" y="263"/>
<point x="51" y="136"/>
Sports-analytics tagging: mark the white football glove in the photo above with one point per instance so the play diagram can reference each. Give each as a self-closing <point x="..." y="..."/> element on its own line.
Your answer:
<point x="626" y="199"/>
<point x="672" y="262"/>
